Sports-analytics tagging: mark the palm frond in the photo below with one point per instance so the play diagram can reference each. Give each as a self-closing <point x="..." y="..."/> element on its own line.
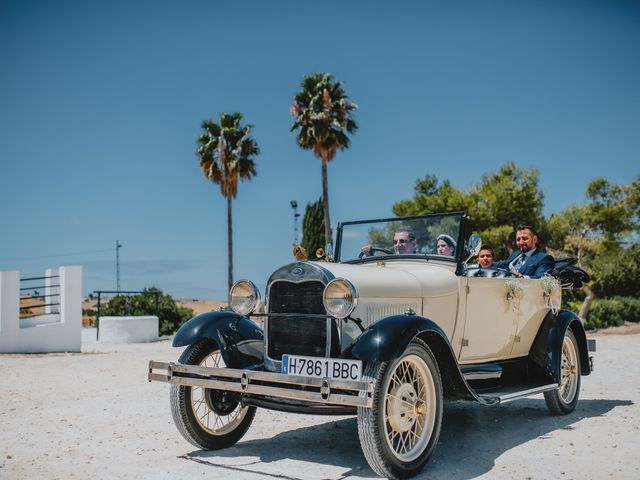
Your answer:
<point x="226" y="152"/>
<point x="322" y="115"/>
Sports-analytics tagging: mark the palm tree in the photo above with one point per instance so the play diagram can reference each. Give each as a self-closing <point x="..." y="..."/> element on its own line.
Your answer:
<point x="323" y="118"/>
<point x="226" y="153"/>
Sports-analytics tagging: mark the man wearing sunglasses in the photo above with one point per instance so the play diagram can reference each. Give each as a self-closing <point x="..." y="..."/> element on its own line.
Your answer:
<point x="404" y="241"/>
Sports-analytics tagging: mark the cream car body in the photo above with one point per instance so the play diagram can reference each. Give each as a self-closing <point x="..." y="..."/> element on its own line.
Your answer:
<point x="382" y="335"/>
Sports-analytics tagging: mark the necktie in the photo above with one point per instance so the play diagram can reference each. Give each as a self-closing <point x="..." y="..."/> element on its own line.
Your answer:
<point x="517" y="263"/>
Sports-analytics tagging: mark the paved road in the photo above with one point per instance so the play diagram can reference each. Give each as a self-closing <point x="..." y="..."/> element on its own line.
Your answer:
<point x="94" y="415"/>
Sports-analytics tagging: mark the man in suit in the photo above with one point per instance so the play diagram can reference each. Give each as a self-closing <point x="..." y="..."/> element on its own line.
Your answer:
<point x="527" y="261"/>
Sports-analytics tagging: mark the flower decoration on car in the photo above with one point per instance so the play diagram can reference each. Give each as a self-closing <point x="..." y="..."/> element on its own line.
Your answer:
<point x="551" y="292"/>
<point x="515" y="291"/>
<point x="514" y="288"/>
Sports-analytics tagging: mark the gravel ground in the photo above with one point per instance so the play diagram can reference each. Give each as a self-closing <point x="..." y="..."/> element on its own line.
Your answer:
<point x="94" y="415"/>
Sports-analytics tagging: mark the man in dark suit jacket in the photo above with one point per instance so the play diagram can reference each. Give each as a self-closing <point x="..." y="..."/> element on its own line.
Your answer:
<point x="527" y="261"/>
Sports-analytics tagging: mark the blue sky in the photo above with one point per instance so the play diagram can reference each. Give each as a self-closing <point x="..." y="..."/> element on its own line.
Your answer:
<point x="101" y="102"/>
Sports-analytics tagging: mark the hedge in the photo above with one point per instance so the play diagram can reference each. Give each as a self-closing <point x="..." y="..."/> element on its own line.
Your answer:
<point x="609" y="312"/>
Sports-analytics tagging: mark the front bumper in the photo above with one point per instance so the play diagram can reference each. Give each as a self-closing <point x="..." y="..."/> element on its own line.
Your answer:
<point x="254" y="383"/>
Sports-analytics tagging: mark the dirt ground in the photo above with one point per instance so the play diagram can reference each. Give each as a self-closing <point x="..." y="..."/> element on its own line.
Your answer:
<point x="94" y="415"/>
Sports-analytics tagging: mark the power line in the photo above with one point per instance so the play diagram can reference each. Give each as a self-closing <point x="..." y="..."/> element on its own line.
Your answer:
<point x="57" y="255"/>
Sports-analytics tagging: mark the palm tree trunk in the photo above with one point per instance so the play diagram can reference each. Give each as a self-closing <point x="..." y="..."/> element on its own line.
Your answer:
<point x="325" y="203"/>
<point x="229" y="244"/>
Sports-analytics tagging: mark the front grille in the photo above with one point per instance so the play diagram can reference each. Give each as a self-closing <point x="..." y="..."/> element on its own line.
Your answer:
<point x="297" y="335"/>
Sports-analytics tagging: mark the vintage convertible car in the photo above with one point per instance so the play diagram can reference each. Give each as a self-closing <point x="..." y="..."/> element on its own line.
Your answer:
<point x="384" y="336"/>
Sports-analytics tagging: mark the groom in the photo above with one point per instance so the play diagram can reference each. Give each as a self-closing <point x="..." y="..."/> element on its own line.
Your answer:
<point x="527" y="261"/>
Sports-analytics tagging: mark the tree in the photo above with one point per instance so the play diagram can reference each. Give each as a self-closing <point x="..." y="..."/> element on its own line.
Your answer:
<point x="323" y="119"/>
<point x="170" y="315"/>
<point x="226" y="153"/>
<point x="496" y="206"/>
<point x="313" y="232"/>
<point x="614" y="209"/>
<point x="603" y="235"/>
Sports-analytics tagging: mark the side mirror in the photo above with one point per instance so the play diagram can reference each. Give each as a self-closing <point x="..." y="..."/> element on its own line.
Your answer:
<point x="475" y="242"/>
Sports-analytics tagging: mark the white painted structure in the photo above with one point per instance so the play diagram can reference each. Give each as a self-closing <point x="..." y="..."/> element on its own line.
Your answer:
<point x="128" y="329"/>
<point x="58" y="329"/>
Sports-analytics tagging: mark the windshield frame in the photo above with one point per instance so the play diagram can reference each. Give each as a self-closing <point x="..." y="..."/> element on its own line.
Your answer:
<point x="459" y="254"/>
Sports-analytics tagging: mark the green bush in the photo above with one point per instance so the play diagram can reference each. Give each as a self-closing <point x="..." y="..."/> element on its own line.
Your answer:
<point x="630" y="308"/>
<point x="613" y="312"/>
<point x="607" y="312"/>
<point x="169" y="314"/>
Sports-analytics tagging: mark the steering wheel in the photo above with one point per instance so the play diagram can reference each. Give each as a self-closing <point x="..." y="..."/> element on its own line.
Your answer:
<point x="491" y="272"/>
<point x="502" y="273"/>
<point x="373" y="250"/>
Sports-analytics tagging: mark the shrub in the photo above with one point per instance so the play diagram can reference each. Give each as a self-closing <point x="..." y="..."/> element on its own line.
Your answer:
<point x="630" y="308"/>
<point x="607" y="312"/>
<point x="613" y="312"/>
<point x="169" y="314"/>
<point x="604" y="313"/>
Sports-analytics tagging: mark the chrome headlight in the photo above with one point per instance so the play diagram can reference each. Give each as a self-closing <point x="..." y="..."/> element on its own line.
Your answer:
<point x="244" y="297"/>
<point x="340" y="298"/>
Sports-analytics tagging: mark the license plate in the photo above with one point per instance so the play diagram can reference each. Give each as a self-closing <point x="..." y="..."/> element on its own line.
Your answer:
<point x="318" y="367"/>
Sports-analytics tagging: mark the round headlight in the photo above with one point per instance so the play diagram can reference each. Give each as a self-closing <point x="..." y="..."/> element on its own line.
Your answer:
<point x="244" y="297"/>
<point x="340" y="298"/>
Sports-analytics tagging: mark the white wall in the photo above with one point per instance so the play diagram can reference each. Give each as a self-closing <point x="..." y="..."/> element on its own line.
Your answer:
<point x="52" y="332"/>
<point x="128" y="329"/>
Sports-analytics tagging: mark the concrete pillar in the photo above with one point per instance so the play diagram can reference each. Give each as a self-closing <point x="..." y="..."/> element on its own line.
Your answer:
<point x="9" y="309"/>
<point x="51" y="332"/>
<point x="71" y="305"/>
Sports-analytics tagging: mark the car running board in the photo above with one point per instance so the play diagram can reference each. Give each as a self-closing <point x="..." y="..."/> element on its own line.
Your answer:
<point x="511" y="394"/>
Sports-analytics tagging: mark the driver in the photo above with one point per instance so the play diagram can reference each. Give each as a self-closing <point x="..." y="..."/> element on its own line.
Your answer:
<point x="404" y="241"/>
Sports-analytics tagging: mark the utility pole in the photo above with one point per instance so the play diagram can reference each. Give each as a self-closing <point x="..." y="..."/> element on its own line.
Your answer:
<point x="294" y="205"/>
<point x="118" y="246"/>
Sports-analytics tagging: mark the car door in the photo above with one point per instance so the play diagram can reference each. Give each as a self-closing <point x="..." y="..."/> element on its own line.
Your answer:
<point x="531" y="310"/>
<point x="490" y="321"/>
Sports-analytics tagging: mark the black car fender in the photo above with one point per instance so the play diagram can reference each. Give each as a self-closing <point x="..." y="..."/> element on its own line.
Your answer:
<point x="240" y="340"/>
<point x="388" y="338"/>
<point x="546" y="351"/>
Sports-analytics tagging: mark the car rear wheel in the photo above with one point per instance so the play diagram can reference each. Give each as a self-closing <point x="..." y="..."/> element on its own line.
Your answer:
<point x="399" y="433"/>
<point x="564" y="400"/>
<point x="207" y="418"/>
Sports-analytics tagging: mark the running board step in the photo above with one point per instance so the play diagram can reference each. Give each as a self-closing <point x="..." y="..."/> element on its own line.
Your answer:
<point x="509" y="395"/>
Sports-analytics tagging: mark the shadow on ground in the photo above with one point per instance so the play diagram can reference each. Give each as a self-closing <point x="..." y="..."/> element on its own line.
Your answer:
<point x="472" y="437"/>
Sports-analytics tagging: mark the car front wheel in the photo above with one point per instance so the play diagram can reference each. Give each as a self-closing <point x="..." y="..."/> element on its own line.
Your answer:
<point x="564" y="400"/>
<point x="209" y="419"/>
<point x="399" y="433"/>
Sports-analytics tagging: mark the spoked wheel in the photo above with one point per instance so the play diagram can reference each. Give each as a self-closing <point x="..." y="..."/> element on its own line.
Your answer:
<point x="401" y="431"/>
<point x="565" y="398"/>
<point x="207" y="418"/>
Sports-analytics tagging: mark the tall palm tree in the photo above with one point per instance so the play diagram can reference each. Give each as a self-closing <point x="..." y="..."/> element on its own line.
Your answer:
<point x="323" y="118"/>
<point x="226" y="153"/>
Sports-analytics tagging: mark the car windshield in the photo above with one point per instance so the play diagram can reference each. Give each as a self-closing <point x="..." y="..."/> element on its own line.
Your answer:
<point x="426" y="235"/>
